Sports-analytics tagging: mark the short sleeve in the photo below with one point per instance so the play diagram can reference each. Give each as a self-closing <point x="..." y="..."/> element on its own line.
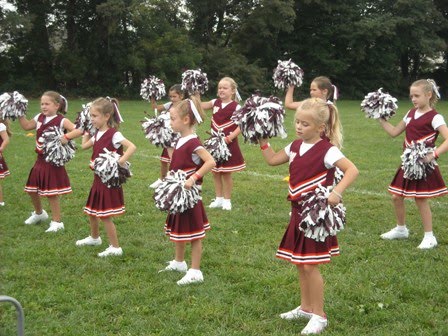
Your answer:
<point x="167" y="106"/>
<point x="438" y="121"/>
<point x="2" y="127"/>
<point x="288" y="149"/>
<point x="117" y="139"/>
<point x="333" y="155"/>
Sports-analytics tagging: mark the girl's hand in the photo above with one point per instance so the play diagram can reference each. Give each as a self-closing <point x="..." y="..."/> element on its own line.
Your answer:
<point x="64" y="140"/>
<point x="227" y="140"/>
<point x="263" y="142"/>
<point x="190" y="182"/>
<point x="121" y="162"/>
<point x="334" y="199"/>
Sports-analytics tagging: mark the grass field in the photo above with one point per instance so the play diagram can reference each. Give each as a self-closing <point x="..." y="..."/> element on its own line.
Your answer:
<point x="375" y="287"/>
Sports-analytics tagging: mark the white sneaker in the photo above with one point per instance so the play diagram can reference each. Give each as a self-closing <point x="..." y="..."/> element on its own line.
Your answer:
<point x="316" y="325"/>
<point x="395" y="233"/>
<point x="36" y="218"/>
<point x="55" y="226"/>
<point x="90" y="241"/>
<point x="155" y="184"/>
<point x="296" y="314"/>
<point x="173" y="265"/>
<point x="192" y="276"/>
<point x="428" y="243"/>
<point x="2" y="203"/>
<point x="111" y="251"/>
<point x="217" y="203"/>
<point x="226" y="205"/>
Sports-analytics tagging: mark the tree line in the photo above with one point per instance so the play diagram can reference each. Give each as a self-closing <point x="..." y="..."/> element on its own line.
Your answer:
<point x="86" y="48"/>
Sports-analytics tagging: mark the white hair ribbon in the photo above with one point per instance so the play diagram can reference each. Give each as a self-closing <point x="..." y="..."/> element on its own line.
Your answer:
<point x="335" y="92"/>
<point x="237" y="95"/>
<point x="195" y="111"/>
<point x="434" y="87"/>
<point x="329" y="102"/>
<point x="66" y="103"/>
<point x="117" y="115"/>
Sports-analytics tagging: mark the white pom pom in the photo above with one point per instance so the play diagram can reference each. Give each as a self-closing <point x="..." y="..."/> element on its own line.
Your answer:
<point x="217" y="147"/>
<point x="159" y="132"/>
<point x="13" y="105"/>
<point x="412" y="161"/>
<point x="83" y="121"/>
<point x="287" y="73"/>
<point x="379" y="104"/>
<point x="152" y="87"/>
<point x="194" y="81"/>
<point x="320" y="220"/>
<point x="53" y="150"/>
<point x="260" y="118"/>
<point x="172" y="196"/>
<point x="106" y="166"/>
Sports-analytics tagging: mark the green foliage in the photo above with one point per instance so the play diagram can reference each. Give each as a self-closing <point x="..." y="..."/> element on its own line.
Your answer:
<point x="375" y="287"/>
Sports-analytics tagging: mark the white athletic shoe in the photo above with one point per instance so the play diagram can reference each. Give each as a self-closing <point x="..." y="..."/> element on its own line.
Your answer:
<point x="316" y="325"/>
<point x="192" y="276"/>
<point x="217" y="203"/>
<point x="296" y="313"/>
<point x="55" y="226"/>
<point x="395" y="233"/>
<point x="428" y="243"/>
<point x="89" y="241"/>
<point x="111" y="251"/>
<point x="173" y="265"/>
<point x="36" y="218"/>
<point x="155" y="184"/>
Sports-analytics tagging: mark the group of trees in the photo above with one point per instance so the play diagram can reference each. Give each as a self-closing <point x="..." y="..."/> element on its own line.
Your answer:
<point x="99" y="47"/>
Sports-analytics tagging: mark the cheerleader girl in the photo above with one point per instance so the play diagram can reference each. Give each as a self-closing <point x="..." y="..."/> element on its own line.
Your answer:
<point x="103" y="202"/>
<point x="321" y="87"/>
<point x="191" y="157"/>
<point x="312" y="161"/>
<point x="176" y="95"/>
<point x="223" y="108"/>
<point x="5" y="133"/>
<point x="422" y="123"/>
<point x="46" y="179"/>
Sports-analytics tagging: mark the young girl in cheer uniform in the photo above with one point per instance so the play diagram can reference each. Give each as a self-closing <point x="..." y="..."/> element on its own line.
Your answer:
<point x="312" y="161"/>
<point x="5" y="133"/>
<point x="103" y="202"/>
<point x="195" y="161"/>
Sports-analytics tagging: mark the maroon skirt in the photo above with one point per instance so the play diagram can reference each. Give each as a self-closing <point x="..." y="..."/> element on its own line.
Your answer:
<point x="188" y="225"/>
<point x="432" y="186"/>
<point x="3" y="168"/>
<point x="104" y="201"/>
<point x="47" y="179"/>
<point x="298" y="249"/>
<point x="235" y="162"/>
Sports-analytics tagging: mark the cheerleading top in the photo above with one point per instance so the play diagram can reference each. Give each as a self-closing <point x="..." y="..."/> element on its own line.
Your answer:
<point x="222" y="113"/>
<point x="184" y="156"/>
<point x="422" y="127"/>
<point x="309" y="168"/>
<point x="110" y="139"/>
<point x="42" y="123"/>
<point x="167" y="106"/>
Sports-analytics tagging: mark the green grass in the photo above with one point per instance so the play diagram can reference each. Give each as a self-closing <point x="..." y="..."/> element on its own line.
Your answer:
<point x="375" y="287"/>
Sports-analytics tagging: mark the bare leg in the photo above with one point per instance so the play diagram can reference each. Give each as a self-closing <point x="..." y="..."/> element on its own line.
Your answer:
<point x="37" y="204"/>
<point x="179" y="251"/>
<point x="196" y="253"/>
<point x="217" y="179"/>
<point x="94" y="227"/>
<point x="227" y="185"/>
<point x="399" y="209"/>
<point x="111" y="231"/>
<point x="313" y="288"/>
<point x="163" y="169"/>
<point x="1" y="190"/>
<point x="425" y="213"/>
<point x="55" y="207"/>
<point x="305" y="299"/>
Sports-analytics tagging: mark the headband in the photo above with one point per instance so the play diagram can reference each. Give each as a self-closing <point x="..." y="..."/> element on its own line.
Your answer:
<point x="434" y="87"/>
<point x="195" y="111"/>
<point x="237" y="95"/>
<point x="117" y="115"/>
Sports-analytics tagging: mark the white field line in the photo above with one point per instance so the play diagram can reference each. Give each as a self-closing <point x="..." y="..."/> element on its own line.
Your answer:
<point x="384" y="194"/>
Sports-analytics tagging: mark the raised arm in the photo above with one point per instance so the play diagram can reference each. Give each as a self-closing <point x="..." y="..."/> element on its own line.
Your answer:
<point x="270" y="156"/>
<point x="26" y="124"/>
<point x="289" y="99"/>
<point x="392" y="130"/>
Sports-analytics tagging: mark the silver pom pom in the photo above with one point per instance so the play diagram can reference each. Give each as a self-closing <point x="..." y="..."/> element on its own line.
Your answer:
<point x="172" y="196"/>
<point x="338" y="176"/>
<point x="83" y="121"/>
<point x="53" y="150"/>
<point x="217" y="147"/>
<point x="260" y="118"/>
<point x="159" y="132"/>
<point x="287" y="73"/>
<point x="106" y="166"/>
<point x="412" y="161"/>
<point x="152" y="87"/>
<point x="194" y="81"/>
<point x="13" y="105"/>
<point x="320" y="220"/>
<point x="379" y="104"/>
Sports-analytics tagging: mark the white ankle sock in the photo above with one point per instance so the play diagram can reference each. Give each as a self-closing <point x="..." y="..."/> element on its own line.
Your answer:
<point x="401" y="227"/>
<point x="429" y="234"/>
